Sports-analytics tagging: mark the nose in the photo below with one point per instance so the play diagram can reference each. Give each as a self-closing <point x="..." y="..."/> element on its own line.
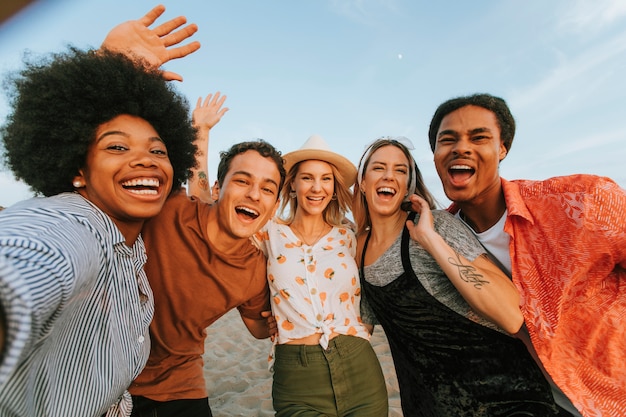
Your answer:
<point x="254" y="192"/>
<point x="388" y="173"/>
<point x="461" y="147"/>
<point x="144" y="158"/>
<point x="317" y="185"/>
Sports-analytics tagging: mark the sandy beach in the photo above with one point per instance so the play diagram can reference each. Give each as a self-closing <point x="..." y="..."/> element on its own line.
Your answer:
<point x="238" y="381"/>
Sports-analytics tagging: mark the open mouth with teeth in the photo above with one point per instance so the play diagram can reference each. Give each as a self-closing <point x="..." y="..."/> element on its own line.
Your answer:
<point x="144" y="186"/>
<point x="247" y="212"/>
<point x="460" y="173"/>
<point x="386" y="192"/>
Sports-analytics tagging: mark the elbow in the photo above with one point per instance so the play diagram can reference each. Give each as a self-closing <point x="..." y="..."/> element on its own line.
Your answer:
<point x="514" y="324"/>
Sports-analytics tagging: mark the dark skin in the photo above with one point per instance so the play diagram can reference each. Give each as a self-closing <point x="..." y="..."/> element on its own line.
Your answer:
<point x="155" y="46"/>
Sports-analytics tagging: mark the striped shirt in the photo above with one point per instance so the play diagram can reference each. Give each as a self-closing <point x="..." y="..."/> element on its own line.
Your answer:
<point x="77" y="306"/>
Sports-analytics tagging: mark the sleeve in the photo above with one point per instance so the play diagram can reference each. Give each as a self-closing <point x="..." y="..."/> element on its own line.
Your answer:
<point x="37" y="278"/>
<point x="261" y="238"/>
<point x="259" y="293"/>
<point x="608" y="217"/>
<point x="457" y="235"/>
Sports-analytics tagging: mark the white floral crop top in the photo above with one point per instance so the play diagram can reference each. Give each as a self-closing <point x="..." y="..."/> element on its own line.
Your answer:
<point x="314" y="289"/>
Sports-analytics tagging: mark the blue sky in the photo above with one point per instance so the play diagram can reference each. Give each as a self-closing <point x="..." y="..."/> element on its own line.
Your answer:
<point x="354" y="70"/>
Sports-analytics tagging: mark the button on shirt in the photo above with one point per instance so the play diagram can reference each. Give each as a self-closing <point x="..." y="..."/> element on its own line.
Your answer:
<point x="78" y="306"/>
<point x="314" y="289"/>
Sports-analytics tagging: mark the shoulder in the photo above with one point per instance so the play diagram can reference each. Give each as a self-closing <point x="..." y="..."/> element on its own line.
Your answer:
<point x="55" y="218"/>
<point x="565" y="184"/>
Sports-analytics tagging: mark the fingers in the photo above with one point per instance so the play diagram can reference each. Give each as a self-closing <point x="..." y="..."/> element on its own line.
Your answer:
<point x="171" y="76"/>
<point x="166" y="30"/>
<point x="183" y="51"/>
<point x="152" y="15"/>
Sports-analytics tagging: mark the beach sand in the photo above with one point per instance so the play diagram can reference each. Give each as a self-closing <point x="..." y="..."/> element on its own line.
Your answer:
<point x="238" y="381"/>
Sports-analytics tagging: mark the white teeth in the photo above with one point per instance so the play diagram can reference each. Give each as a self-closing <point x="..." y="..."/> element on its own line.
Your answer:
<point x="460" y="167"/>
<point x="142" y="182"/>
<point x="386" y="190"/>
<point x="248" y="210"/>
<point x="144" y="191"/>
<point x="316" y="198"/>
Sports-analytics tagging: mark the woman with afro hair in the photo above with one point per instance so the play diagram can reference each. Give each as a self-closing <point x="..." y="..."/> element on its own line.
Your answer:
<point x="105" y="140"/>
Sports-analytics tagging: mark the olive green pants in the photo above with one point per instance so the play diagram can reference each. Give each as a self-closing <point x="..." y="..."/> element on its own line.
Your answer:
<point x="344" y="380"/>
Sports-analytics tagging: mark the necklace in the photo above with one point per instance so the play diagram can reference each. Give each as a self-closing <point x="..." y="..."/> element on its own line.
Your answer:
<point x="309" y="242"/>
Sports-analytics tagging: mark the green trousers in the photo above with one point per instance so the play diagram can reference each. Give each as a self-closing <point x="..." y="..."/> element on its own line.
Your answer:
<point x="344" y="380"/>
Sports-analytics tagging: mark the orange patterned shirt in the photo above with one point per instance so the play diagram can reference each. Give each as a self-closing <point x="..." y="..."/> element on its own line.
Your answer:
<point x="568" y="254"/>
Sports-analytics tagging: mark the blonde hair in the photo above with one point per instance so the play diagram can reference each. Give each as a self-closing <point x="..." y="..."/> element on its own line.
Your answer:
<point x="335" y="211"/>
<point x="359" y="203"/>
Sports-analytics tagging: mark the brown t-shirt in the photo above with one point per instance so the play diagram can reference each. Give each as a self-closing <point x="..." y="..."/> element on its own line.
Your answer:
<point x="194" y="284"/>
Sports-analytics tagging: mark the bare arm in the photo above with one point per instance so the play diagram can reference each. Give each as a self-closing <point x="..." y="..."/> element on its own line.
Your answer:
<point x="155" y="46"/>
<point x="206" y="115"/>
<point x="258" y="328"/>
<point x="483" y="285"/>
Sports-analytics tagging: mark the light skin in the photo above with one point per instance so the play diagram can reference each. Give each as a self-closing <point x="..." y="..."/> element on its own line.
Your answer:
<point x="487" y="290"/>
<point x="206" y="114"/>
<point x="127" y="173"/>
<point x="248" y="198"/>
<point x="468" y="151"/>
<point x="314" y="185"/>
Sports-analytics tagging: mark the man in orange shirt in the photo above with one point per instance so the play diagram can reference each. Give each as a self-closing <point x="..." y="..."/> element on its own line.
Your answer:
<point x="563" y="241"/>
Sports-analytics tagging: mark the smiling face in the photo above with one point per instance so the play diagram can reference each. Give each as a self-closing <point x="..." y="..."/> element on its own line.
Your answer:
<point x="314" y="184"/>
<point x="248" y="197"/>
<point x="385" y="180"/>
<point x="127" y="173"/>
<point x="468" y="151"/>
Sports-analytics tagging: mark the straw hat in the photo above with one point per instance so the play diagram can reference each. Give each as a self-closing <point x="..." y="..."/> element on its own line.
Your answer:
<point x="316" y="148"/>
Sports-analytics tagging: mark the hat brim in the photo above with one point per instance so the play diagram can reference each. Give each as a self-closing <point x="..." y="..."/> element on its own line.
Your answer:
<point x="346" y="169"/>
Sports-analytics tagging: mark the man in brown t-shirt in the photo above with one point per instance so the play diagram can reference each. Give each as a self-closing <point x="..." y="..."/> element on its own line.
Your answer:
<point x="201" y="264"/>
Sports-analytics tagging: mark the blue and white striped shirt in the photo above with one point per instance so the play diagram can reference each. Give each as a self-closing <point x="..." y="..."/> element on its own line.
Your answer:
<point x="77" y="306"/>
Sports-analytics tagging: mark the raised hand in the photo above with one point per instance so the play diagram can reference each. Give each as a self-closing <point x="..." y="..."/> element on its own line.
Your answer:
<point x="208" y="113"/>
<point x="154" y="46"/>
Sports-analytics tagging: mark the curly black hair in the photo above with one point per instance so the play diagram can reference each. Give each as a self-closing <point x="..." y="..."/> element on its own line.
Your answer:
<point x="59" y="102"/>
<point x="496" y="105"/>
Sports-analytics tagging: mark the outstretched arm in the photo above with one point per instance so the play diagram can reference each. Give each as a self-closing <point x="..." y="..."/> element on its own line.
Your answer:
<point x="483" y="285"/>
<point x="206" y="115"/>
<point x="155" y="46"/>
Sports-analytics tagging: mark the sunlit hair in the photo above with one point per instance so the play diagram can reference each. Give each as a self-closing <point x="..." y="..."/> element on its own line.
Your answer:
<point x="494" y="104"/>
<point x="360" y="209"/>
<point x="334" y="213"/>
<point x="262" y="147"/>
<point x="59" y="101"/>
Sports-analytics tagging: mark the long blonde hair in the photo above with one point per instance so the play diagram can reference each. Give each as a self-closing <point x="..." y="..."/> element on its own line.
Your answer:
<point x="335" y="211"/>
<point x="359" y="203"/>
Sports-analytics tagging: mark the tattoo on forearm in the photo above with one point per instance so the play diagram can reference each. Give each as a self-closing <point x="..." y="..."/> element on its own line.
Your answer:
<point x="203" y="181"/>
<point x="468" y="273"/>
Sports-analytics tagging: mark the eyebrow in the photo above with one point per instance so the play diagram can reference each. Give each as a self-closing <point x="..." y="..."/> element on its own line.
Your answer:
<point x="126" y="135"/>
<point x="471" y="132"/>
<point x="249" y="175"/>
<point x="401" y="164"/>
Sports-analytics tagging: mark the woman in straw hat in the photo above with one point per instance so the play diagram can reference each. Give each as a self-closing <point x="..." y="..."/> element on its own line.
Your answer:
<point x="322" y="360"/>
<point x="447" y="310"/>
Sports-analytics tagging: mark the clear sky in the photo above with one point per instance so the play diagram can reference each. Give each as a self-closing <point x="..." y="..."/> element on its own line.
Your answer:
<point x="354" y="70"/>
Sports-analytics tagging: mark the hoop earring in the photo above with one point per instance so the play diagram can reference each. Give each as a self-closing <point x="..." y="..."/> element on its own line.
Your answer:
<point x="292" y="194"/>
<point x="334" y="197"/>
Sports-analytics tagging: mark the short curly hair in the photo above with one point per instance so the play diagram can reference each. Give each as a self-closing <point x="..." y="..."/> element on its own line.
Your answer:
<point x="59" y="101"/>
<point x="496" y="105"/>
<point x="265" y="149"/>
